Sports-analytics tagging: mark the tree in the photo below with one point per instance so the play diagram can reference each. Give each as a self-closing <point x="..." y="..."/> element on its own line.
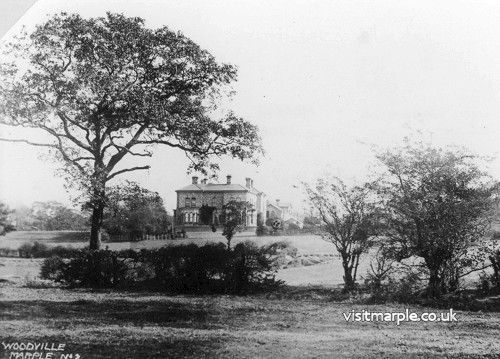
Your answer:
<point x="438" y="205"/>
<point x="348" y="217"/>
<point x="103" y="89"/>
<point x="233" y="219"/>
<point x="5" y="224"/>
<point x="135" y="211"/>
<point x="54" y="216"/>
<point x="207" y="214"/>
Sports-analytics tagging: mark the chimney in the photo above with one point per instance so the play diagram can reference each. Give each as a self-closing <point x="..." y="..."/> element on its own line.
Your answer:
<point x="195" y="180"/>
<point x="249" y="182"/>
<point x="204" y="181"/>
<point x="278" y="202"/>
<point x="228" y="177"/>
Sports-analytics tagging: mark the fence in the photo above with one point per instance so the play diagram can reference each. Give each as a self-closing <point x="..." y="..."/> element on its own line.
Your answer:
<point x="145" y="237"/>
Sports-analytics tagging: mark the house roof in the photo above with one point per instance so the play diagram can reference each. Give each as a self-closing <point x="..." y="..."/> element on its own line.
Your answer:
<point x="214" y="187"/>
<point x="273" y="205"/>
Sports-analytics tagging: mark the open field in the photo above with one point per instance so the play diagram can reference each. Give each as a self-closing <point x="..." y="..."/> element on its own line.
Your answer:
<point x="294" y="322"/>
<point x="139" y="325"/>
<point x="329" y="273"/>
<point x="306" y="244"/>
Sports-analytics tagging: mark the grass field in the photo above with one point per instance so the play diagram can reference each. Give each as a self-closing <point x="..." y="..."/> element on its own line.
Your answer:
<point x="139" y="325"/>
<point x="306" y="244"/>
<point x="325" y="274"/>
<point x="298" y="321"/>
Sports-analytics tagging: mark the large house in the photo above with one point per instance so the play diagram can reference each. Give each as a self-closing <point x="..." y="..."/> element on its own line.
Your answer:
<point x="190" y="199"/>
<point x="283" y="211"/>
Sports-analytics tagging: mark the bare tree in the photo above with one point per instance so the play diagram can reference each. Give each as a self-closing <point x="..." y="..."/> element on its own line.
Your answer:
<point x="348" y="221"/>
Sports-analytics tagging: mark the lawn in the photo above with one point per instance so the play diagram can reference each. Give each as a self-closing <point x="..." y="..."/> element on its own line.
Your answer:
<point x="292" y="324"/>
<point x="295" y="322"/>
<point x="306" y="244"/>
<point x="328" y="273"/>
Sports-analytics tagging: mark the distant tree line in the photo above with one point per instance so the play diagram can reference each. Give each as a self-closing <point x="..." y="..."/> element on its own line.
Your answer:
<point x="48" y="216"/>
<point x="131" y="210"/>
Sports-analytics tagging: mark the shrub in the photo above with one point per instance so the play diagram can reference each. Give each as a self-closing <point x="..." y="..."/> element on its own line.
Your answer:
<point x="211" y="268"/>
<point x="495" y="263"/>
<point x="261" y="230"/>
<point x="252" y="268"/>
<point x="53" y="268"/>
<point x="40" y="250"/>
<point x="8" y="252"/>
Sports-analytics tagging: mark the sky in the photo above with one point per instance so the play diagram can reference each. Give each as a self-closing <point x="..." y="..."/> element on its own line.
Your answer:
<point x="323" y="80"/>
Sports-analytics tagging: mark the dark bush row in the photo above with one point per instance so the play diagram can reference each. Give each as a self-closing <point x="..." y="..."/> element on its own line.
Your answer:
<point x="40" y="250"/>
<point x="211" y="268"/>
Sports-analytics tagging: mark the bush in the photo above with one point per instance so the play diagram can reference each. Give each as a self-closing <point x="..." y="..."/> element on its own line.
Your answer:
<point x="211" y="268"/>
<point x="252" y="267"/>
<point x="87" y="268"/>
<point x="53" y="269"/>
<point x="261" y="230"/>
<point x="8" y="252"/>
<point x="401" y="285"/>
<point x="40" y="250"/>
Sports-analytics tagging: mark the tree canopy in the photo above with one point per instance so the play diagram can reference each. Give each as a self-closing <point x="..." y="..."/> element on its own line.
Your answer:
<point x="438" y="204"/>
<point x="5" y="224"/>
<point x="135" y="211"/>
<point x="107" y="88"/>
<point x="348" y="219"/>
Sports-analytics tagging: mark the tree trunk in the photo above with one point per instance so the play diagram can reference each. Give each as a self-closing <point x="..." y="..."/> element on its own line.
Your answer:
<point x="96" y="224"/>
<point x="435" y="284"/>
<point x="349" y="282"/>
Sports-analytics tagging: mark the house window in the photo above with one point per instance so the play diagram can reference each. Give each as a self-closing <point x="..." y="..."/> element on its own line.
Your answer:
<point x="187" y="204"/>
<point x="193" y="202"/>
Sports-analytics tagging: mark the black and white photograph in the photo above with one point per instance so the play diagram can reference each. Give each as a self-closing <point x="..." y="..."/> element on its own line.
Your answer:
<point x="249" y="179"/>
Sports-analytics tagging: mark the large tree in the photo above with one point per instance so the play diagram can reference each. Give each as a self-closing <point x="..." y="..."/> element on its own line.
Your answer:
<point x="348" y="220"/>
<point x="106" y="88"/>
<point x="438" y="205"/>
<point x="135" y="211"/>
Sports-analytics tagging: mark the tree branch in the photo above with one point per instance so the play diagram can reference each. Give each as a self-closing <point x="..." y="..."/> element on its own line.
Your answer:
<point x="29" y="142"/>
<point x="127" y="170"/>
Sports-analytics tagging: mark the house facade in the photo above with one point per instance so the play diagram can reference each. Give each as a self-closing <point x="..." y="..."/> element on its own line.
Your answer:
<point x="283" y="211"/>
<point x="192" y="197"/>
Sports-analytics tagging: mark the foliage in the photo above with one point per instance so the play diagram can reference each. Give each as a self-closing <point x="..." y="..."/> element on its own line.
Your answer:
<point x="437" y="206"/>
<point x="233" y="218"/>
<point x="54" y="216"/>
<point x="380" y="271"/>
<point x="206" y="214"/>
<point x="135" y="211"/>
<point x="312" y="223"/>
<point x="348" y="218"/>
<point x="179" y="269"/>
<point x="495" y="264"/>
<point x="5" y="224"/>
<point x="103" y="89"/>
<point x="40" y="250"/>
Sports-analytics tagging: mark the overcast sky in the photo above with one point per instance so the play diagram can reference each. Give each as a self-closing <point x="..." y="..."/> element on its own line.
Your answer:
<point x="322" y="79"/>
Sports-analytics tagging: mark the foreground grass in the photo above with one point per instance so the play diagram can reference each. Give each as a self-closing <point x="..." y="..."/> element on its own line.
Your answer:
<point x="301" y="324"/>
